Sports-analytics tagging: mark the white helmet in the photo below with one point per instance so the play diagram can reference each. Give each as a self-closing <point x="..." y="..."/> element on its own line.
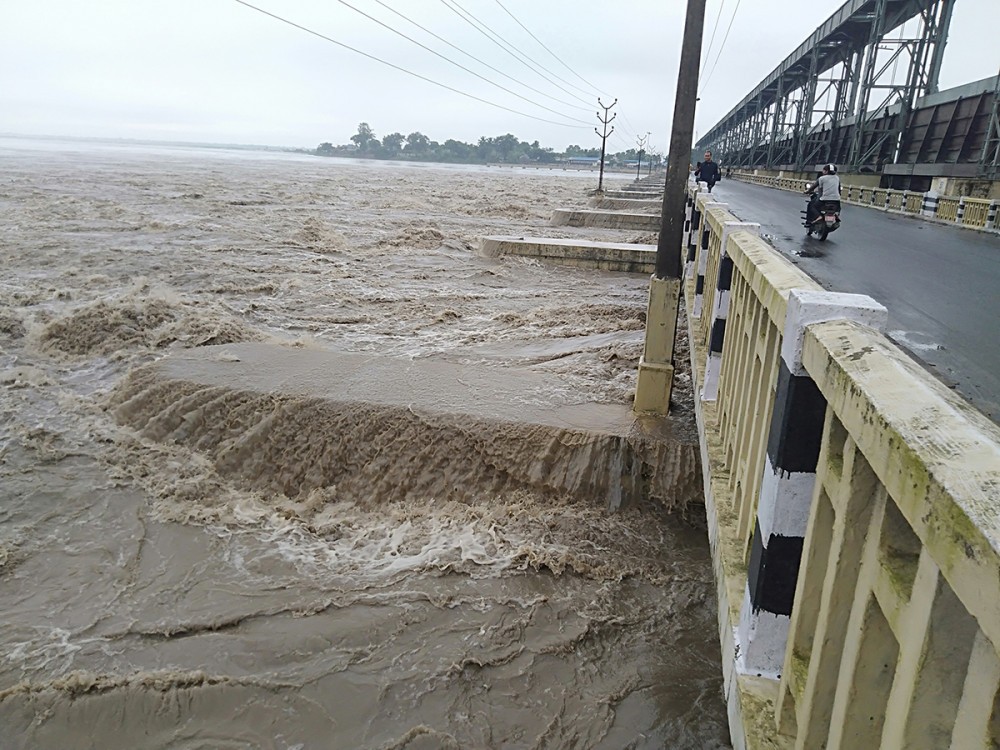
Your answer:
<point x="831" y="168"/>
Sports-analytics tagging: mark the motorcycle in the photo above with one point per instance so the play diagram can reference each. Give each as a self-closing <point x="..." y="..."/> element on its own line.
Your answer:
<point x="826" y="221"/>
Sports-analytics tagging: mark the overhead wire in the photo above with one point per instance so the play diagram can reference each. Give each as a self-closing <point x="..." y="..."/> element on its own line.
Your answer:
<point x="487" y="32"/>
<point x="621" y="138"/>
<point x="404" y="70"/>
<point x="473" y="57"/>
<point x="721" y="47"/>
<point x="629" y="128"/>
<point x="518" y="22"/>
<point x="459" y="65"/>
<point x="711" y="41"/>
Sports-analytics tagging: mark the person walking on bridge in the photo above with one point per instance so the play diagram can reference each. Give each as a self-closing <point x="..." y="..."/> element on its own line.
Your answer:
<point x="708" y="172"/>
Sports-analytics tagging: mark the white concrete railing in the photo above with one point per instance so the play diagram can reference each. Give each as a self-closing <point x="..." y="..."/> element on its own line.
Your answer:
<point x="973" y="213"/>
<point x="854" y="513"/>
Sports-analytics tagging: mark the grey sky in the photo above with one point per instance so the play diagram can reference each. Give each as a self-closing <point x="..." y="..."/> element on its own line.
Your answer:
<point x="215" y="70"/>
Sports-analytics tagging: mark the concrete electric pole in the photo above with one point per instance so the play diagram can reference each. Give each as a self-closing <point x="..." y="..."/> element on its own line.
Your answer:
<point x="656" y="369"/>
<point x="641" y="143"/>
<point x="604" y="136"/>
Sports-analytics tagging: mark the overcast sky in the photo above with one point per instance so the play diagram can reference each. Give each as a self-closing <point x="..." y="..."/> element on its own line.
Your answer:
<point x="218" y="71"/>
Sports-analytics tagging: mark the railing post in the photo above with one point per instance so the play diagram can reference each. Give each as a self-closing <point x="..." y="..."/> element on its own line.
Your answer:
<point x="789" y="475"/>
<point x="888" y="197"/>
<point x="930" y="204"/>
<point x="991" y="215"/>
<point x="905" y="202"/>
<point x="704" y="235"/>
<point x="693" y="235"/>
<point x="960" y="213"/>
<point x="720" y="309"/>
<point x="691" y="217"/>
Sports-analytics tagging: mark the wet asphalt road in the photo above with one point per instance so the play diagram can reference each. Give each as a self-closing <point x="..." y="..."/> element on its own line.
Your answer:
<point x="940" y="284"/>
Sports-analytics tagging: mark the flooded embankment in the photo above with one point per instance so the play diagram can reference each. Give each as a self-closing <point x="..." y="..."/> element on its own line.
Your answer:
<point x="163" y="583"/>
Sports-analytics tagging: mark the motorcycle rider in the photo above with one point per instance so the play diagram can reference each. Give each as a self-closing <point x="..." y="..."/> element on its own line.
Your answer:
<point x="826" y="188"/>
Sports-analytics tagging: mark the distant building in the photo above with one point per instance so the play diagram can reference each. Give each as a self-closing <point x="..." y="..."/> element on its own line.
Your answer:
<point x="587" y="161"/>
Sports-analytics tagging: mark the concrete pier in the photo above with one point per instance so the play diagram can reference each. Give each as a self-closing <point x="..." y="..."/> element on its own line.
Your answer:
<point x="292" y="420"/>
<point x="633" y="194"/>
<point x="606" y="256"/>
<point x="606" y="219"/>
<point x="631" y="205"/>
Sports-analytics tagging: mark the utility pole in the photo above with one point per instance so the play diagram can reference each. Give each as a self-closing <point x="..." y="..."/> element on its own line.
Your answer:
<point x="656" y="369"/>
<point x="641" y="143"/>
<point x="604" y="136"/>
<point x="668" y="249"/>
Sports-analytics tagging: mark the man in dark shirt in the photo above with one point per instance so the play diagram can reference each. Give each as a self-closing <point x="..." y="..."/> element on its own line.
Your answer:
<point x="709" y="171"/>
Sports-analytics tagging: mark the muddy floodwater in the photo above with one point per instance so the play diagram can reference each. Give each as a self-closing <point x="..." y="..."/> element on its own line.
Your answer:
<point x="150" y="599"/>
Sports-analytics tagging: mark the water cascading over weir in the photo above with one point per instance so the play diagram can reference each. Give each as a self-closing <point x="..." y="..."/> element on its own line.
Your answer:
<point x="293" y="421"/>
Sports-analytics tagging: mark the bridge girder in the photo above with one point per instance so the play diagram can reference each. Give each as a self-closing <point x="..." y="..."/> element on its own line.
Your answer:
<point x="840" y="78"/>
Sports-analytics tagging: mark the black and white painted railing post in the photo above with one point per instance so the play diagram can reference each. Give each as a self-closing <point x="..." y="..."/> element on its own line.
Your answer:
<point x="694" y="235"/>
<point x="991" y="215"/>
<point x="691" y="217"/>
<point x="703" y="201"/>
<point x="720" y="309"/>
<point x="930" y="204"/>
<point x="960" y="213"/>
<point x="888" y="197"/>
<point x="789" y="476"/>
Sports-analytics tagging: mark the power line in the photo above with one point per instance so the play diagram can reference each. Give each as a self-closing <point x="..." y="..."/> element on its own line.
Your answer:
<point x="629" y="128"/>
<point x="708" y="52"/>
<point x="722" y="46"/>
<point x="625" y="143"/>
<point x="459" y="65"/>
<point x="403" y="70"/>
<point x="592" y="86"/>
<point x="486" y="31"/>
<point x="481" y="62"/>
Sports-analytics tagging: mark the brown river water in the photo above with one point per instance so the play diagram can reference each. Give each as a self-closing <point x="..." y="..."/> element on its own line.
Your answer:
<point x="149" y="599"/>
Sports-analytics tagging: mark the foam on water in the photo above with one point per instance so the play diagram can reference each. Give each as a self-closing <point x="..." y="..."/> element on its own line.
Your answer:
<point x="179" y="568"/>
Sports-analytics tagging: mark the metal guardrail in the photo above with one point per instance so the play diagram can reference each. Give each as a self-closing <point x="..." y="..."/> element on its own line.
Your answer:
<point x="853" y="510"/>
<point x="972" y="213"/>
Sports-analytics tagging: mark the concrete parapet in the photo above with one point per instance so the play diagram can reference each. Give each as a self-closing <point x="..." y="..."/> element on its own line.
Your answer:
<point x="853" y="519"/>
<point x="606" y="219"/>
<point x="607" y="256"/>
<point x="898" y="602"/>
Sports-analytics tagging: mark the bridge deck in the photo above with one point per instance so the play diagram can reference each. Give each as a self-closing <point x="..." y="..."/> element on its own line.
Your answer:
<point x="939" y="283"/>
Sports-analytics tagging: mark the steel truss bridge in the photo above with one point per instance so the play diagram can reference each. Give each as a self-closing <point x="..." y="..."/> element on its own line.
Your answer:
<point x="862" y="92"/>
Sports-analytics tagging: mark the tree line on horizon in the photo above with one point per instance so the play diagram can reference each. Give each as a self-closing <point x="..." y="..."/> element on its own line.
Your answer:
<point x="499" y="149"/>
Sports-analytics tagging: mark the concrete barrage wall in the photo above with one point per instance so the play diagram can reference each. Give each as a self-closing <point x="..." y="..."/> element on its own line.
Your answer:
<point x="854" y="512"/>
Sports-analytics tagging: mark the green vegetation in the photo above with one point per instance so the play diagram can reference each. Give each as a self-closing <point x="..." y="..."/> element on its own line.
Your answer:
<point x="506" y="149"/>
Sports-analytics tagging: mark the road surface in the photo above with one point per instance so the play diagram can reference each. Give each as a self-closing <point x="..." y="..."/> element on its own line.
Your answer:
<point x="941" y="284"/>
